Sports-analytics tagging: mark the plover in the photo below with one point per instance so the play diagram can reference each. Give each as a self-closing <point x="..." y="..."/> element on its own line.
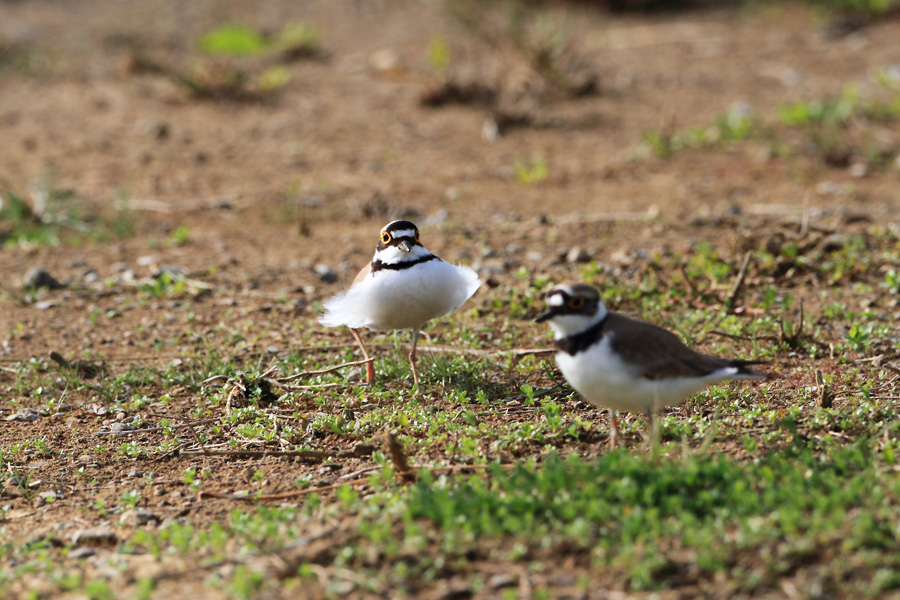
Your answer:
<point x="624" y="364"/>
<point x="404" y="287"/>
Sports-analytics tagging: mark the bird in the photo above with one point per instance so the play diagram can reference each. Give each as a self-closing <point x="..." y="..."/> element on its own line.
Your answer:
<point x="626" y="364"/>
<point x="404" y="287"/>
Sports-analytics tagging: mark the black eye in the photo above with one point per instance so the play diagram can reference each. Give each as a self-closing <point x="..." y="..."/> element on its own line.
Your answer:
<point x="576" y="303"/>
<point x="417" y="235"/>
<point x="385" y="238"/>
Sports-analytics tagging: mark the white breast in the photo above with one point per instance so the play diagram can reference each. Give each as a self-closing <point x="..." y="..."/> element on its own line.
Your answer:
<point x="404" y="299"/>
<point x="605" y="380"/>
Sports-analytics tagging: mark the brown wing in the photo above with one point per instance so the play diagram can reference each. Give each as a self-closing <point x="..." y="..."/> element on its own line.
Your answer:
<point x="658" y="353"/>
<point x="362" y="274"/>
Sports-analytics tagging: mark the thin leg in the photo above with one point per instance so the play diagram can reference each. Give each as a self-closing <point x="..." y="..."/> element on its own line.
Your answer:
<point x="412" y="357"/>
<point x="653" y="431"/>
<point x="614" y="428"/>
<point x="370" y="368"/>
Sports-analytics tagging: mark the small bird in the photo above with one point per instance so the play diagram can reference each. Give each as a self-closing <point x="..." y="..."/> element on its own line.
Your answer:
<point x="624" y="364"/>
<point x="404" y="287"/>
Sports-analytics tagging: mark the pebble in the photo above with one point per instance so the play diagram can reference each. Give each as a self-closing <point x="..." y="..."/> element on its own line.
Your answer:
<point x="94" y="536"/>
<point x="502" y="580"/>
<point x="325" y="273"/>
<point x="577" y="255"/>
<point x="138" y="517"/>
<point x="120" y="427"/>
<point x="39" y="278"/>
<point x="81" y="552"/>
<point x="145" y="261"/>
<point x="859" y="170"/>
<point x="25" y="414"/>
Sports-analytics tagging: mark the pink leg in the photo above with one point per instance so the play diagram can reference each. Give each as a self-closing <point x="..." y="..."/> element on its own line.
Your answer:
<point x="412" y="357"/>
<point x="370" y="368"/>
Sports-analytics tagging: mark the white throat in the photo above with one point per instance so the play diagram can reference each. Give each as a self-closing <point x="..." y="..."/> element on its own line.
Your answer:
<point x="393" y="255"/>
<point x="564" y="326"/>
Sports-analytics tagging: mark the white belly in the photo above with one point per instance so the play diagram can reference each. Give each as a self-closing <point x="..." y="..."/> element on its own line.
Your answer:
<point x="606" y="381"/>
<point x="404" y="299"/>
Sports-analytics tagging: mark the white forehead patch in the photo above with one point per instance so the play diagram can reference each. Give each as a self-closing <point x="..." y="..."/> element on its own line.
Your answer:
<point x="403" y="233"/>
<point x="556" y="300"/>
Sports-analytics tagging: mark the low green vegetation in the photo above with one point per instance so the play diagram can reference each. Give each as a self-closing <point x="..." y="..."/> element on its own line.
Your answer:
<point x="752" y="483"/>
<point x="834" y="128"/>
<point x="53" y="217"/>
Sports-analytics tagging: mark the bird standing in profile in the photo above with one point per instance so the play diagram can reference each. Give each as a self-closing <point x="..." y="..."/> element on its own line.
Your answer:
<point x="404" y="287"/>
<point x="624" y="364"/>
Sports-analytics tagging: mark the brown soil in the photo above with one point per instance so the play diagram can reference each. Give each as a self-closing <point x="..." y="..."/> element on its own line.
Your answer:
<point x="268" y="189"/>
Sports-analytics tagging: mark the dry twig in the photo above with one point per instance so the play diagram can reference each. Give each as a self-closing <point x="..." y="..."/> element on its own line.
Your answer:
<point x="398" y="457"/>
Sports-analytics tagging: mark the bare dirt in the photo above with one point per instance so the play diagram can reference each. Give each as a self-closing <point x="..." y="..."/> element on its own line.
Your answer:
<point x="269" y="189"/>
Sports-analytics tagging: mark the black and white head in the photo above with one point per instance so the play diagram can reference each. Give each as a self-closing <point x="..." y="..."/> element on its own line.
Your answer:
<point x="573" y="308"/>
<point x="399" y="242"/>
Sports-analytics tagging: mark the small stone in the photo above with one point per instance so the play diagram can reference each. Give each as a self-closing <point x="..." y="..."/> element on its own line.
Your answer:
<point x="859" y="170"/>
<point x="577" y="255"/>
<point x="133" y="473"/>
<point x="146" y="261"/>
<point x="493" y="268"/>
<point x="325" y="273"/>
<point x="39" y="278"/>
<point x="44" y="304"/>
<point x="502" y="580"/>
<point x="138" y="517"/>
<point x="81" y="552"/>
<point x="94" y="536"/>
<point x="384" y="60"/>
<point x="120" y="428"/>
<point x="13" y="487"/>
<point x="25" y="414"/>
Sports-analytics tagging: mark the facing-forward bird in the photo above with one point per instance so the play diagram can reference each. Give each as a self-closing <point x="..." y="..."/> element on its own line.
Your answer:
<point x="624" y="364"/>
<point x="404" y="287"/>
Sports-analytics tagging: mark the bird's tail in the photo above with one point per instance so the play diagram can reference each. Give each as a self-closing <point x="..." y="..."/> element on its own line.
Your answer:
<point x="743" y="372"/>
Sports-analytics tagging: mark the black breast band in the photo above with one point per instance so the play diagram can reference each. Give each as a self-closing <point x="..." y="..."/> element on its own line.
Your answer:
<point x="582" y="341"/>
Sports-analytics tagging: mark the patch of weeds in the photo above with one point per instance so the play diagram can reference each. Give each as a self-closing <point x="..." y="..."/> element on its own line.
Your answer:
<point x="166" y="285"/>
<point x="621" y="505"/>
<point x="233" y="40"/>
<point x="737" y="124"/>
<point x="530" y="170"/>
<point x="869" y="7"/>
<point x="179" y="236"/>
<point x="294" y="41"/>
<point x="242" y="68"/>
<point x="438" y="55"/>
<point x="53" y="217"/>
<point x="821" y="111"/>
<point x="891" y="281"/>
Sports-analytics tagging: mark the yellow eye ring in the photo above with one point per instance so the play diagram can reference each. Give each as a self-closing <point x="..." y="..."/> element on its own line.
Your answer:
<point x="417" y="235"/>
<point x="385" y="238"/>
<point x="576" y="303"/>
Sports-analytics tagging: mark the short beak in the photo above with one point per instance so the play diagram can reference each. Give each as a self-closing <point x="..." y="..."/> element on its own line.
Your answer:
<point x="544" y="316"/>
<point x="404" y="245"/>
